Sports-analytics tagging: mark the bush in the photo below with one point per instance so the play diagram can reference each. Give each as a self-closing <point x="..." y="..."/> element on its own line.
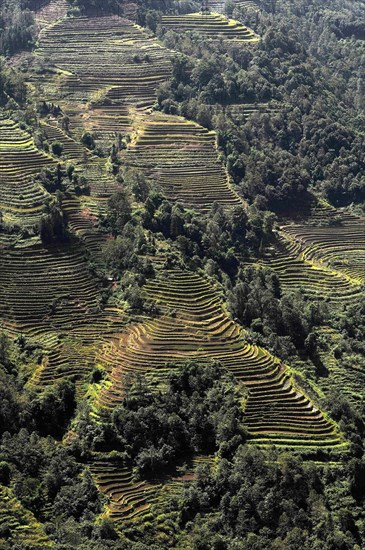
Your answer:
<point x="88" y="140"/>
<point x="57" y="148"/>
<point x="4" y="473"/>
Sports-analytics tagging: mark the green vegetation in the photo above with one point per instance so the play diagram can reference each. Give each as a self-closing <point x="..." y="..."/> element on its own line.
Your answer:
<point x="17" y="24"/>
<point x="272" y="504"/>
<point x="199" y="413"/>
<point x="182" y="275"/>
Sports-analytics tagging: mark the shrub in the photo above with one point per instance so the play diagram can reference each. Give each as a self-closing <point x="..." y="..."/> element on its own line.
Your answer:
<point x="57" y="148"/>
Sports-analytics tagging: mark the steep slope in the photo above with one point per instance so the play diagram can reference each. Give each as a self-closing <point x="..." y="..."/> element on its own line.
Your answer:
<point x="117" y="69"/>
<point x="51" y="12"/>
<point x="338" y="249"/>
<point x="19" y="525"/>
<point x="181" y="157"/>
<point x="196" y="326"/>
<point x="116" y="61"/>
<point x="22" y="200"/>
<point x="105" y="73"/>
<point x="317" y="280"/>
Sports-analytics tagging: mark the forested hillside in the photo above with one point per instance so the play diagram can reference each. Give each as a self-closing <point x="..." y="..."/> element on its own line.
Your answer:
<point x="182" y="274"/>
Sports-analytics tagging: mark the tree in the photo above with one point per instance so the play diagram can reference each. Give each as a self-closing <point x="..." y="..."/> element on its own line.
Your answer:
<point x="88" y="140"/>
<point x="119" y="211"/>
<point x="136" y="181"/>
<point x="53" y="225"/>
<point x="52" y="411"/>
<point x="57" y="148"/>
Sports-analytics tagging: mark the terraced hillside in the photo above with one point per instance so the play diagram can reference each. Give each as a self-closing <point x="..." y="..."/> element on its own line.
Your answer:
<point x="340" y="249"/>
<point x="43" y="287"/>
<point x="315" y="279"/>
<point x="115" y="58"/>
<point x="83" y="223"/>
<point x="19" y="525"/>
<point x="213" y="26"/>
<point x="82" y="211"/>
<point x="195" y="325"/>
<point x="72" y="352"/>
<point x="104" y="73"/>
<point x="71" y="149"/>
<point x="128" y="499"/>
<point x="91" y="171"/>
<point x="105" y="121"/>
<point x="118" y="68"/>
<point x="49" y="295"/>
<point x="22" y="200"/>
<point x="181" y="157"/>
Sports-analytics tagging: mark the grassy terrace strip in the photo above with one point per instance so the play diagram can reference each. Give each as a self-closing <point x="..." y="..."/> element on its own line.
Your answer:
<point x="22" y="200"/>
<point x="21" y="523"/>
<point x="181" y="156"/>
<point x="114" y="57"/>
<point x="128" y="499"/>
<point x="46" y="287"/>
<point x="195" y="325"/>
<point x="214" y="26"/>
<point x="340" y="249"/>
<point x="316" y="280"/>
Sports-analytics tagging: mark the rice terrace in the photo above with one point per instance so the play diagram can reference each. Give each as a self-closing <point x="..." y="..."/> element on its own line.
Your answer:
<point x="182" y="274"/>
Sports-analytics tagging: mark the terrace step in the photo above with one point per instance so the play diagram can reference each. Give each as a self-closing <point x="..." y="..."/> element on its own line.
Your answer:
<point x="214" y="26"/>
<point x="71" y="149"/>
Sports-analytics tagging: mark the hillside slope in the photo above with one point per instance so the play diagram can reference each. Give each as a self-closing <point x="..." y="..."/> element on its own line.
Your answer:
<point x="164" y="214"/>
